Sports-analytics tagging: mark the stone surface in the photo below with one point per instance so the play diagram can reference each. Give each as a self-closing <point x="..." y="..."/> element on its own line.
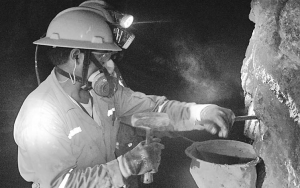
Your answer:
<point x="271" y="82"/>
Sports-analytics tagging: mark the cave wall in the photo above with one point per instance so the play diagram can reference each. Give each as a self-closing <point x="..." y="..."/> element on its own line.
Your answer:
<point x="271" y="82"/>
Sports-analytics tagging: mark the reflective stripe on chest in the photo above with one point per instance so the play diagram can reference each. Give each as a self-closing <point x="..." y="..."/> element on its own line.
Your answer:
<point x="74" y="132"/>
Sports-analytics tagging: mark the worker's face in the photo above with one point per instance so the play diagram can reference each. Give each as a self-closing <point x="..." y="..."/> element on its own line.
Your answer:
<point x="104" y="58"/>
<point x="92" y="68"/>
<point x="101" y="68"/>
<point x="101" y="57"/>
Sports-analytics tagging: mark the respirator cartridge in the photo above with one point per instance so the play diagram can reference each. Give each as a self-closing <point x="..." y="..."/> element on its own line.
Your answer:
<point x="104" y="85"/>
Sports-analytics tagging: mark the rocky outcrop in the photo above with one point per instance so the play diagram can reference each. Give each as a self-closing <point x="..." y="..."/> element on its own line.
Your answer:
<point x="271" y="83"/>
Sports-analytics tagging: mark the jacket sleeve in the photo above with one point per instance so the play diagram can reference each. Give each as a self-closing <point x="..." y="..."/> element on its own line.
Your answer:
<point x="45" y="152"/>
<point x="105" y="176"/>
<point x="130" y="102"/>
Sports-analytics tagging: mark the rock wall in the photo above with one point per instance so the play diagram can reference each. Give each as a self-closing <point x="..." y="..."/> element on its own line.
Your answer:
<point x="271" y="83"/>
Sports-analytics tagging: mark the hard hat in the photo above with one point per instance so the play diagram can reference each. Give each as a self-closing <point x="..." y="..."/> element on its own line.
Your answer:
<point x="112" y="16"/>
<point x="79" y="27"/>
<point x="100" y="6"/>
<point x="122" y="36"/>
<point x="93" y="3"/>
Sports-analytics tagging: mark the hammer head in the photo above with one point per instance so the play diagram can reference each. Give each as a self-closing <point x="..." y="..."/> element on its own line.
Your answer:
<point x="150" y="120"/>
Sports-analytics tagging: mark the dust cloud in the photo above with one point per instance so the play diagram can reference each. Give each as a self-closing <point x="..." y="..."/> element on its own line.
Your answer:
<point x="210" y="72"/>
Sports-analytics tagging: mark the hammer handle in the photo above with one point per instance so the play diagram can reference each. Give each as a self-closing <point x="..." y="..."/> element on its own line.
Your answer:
<point x="148" y="136"/>
<point x="148" y="177"/>
<point x="244" y="118"/>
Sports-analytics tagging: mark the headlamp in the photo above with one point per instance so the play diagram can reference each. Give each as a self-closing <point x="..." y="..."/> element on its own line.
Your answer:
<point x="123" y="37"/>
<point x="118" y="21"/>
<point x="124" y="20"/>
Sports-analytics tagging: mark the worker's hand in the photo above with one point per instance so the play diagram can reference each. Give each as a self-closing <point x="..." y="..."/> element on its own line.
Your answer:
<point x="215" y="119"/>
<point x="141" y="159"/>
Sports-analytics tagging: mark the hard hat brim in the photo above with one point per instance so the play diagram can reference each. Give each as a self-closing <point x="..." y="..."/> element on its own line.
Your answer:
<point x="77" y="44"/>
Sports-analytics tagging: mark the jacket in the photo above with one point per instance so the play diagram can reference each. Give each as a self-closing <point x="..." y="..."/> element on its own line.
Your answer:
<point x="56" y="137"/>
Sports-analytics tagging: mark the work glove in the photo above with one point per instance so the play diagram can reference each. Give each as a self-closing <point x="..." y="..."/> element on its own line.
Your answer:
<point x="213" y="118"/>
<point x="141" y="159"/>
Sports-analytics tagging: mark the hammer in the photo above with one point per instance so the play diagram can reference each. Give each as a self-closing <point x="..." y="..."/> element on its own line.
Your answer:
<point x="150" y="121"/>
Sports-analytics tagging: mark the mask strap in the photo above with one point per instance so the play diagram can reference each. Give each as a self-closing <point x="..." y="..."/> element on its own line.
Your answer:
<point x="86" y="63"/>
<point x="68" y="75"/>
<point x="73" y="80"/>
<point x="119" y="76"/>
<point x="111" y="82"/>
<point x="96" y="62"/>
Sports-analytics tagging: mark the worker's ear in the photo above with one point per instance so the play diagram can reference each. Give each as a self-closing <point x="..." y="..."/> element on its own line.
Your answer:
<point x="74" y="54"/>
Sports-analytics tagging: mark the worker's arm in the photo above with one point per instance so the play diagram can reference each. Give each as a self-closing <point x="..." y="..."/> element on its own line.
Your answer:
<point x="141" y="159"/>
<point x="45" y="152"/>
<point x="107" y="174"/>
<point x="184" y="116"/>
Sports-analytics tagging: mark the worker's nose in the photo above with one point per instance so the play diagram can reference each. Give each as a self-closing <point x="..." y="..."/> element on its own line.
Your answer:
<point x="110" y="66"/>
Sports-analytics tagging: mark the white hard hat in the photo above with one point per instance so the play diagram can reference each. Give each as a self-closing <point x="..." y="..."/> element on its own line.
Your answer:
<point x="100" y="6"/>
<point x="79" y="27"/>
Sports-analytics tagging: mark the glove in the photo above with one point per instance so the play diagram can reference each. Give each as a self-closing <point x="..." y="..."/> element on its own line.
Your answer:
<point x="141" y="159"/>
<point x="213" y="119"/>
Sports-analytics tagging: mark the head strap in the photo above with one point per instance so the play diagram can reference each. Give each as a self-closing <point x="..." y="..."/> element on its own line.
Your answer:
<point x="67" y="75"/>
<point x="85" y="68"/>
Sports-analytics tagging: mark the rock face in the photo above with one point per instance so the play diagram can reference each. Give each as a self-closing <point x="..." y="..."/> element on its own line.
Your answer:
<point x="271" y="82"/>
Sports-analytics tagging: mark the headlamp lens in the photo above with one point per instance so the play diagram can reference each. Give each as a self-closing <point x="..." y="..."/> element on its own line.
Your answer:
<point x="126" y="21"/>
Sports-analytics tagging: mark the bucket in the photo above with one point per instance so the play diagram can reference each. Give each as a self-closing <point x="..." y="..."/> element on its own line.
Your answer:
<point x="223" y="164"/>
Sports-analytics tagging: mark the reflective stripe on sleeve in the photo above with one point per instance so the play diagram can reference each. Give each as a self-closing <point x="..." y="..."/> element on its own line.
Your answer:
<point x="64" y="181"/>
<point x="161" y="106"/>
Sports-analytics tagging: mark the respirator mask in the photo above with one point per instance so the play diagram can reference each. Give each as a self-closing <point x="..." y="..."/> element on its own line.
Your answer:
<point x="105" y="82"/>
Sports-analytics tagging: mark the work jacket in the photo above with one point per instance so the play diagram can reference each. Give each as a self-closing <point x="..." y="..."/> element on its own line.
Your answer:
<point x="58" y="141"/>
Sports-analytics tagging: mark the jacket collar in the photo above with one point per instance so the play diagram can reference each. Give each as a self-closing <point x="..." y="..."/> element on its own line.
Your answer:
<point x="61" y="95"/>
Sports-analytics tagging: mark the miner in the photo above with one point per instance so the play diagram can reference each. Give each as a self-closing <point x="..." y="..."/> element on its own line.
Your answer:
<point x="66" y="128"/>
